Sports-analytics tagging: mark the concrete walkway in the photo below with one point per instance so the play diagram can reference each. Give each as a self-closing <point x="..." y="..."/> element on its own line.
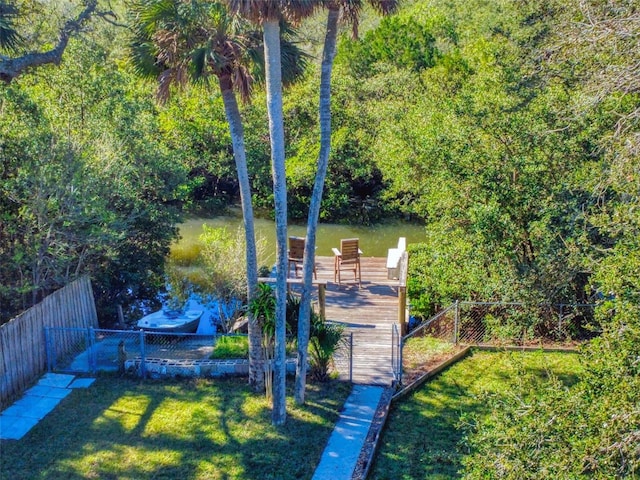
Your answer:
<point x="36" y="403"/>
<point x="341" y="454"/>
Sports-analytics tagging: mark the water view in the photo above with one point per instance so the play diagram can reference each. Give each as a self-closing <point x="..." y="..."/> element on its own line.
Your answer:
<point x="375" y="240"/>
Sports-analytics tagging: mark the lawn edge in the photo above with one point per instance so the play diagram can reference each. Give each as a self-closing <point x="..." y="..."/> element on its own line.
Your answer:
<point x="431" y="373"/>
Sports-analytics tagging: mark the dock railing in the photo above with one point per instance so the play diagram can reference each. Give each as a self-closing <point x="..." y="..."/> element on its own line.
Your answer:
<point x="402" y="292"/>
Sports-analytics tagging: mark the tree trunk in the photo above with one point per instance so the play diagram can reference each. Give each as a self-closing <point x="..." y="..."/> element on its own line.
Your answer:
<point x="328" y="55"/>
<point x="276" y="135"/>
<point x="232" y="112"/>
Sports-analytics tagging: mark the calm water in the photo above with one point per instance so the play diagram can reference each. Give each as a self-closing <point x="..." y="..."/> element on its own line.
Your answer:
<point x="375" y="240"/>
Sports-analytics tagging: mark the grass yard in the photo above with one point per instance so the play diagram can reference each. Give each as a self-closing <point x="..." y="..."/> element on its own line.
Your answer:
<point x="191" y="429"/>
<point x="237" y="346"/>
<point x="231" y="346"/>
<point x="422" y="439"/>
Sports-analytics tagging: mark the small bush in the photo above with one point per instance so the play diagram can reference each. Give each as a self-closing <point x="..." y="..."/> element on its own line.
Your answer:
<point x="324" y="341"/>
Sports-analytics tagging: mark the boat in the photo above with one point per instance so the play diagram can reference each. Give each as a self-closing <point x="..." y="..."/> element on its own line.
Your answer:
<point x="171" y="321"/>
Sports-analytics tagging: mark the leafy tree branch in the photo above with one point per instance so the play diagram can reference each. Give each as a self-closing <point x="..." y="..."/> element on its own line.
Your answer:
<point x="13" y="67"/>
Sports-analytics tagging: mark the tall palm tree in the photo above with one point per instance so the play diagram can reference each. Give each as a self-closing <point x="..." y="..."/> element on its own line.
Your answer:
<point x="350" y="11"/>
<point x="269" y="14"/>
<point x="175" y="39"/>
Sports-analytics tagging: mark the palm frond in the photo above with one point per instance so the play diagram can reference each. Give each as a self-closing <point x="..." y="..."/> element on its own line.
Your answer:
<point x="10" y="39"/>
<point x="259" y="11"/>
<point x="385" y="7"/>
<point x="294" y="61"/>
<point x="143" y="57"/>
<point x="194" y="39"/>
<point x="199" y="58"/>
<point x="350" y="11"/>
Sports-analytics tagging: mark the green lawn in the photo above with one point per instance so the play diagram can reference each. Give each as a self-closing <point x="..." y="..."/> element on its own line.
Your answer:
<point x="422" y="439"/>
<point x="231" y="346"/>
<point x="199" y="429"/>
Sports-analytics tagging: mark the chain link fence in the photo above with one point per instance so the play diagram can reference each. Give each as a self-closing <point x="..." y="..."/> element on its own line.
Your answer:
<point x="152" y="354"/>
<point x="501" y="324"/>
<point x="519" y="324"/>
<point x="342" y="363"/>
<point x="75" y="350"/>
<point x="516" y="324"/>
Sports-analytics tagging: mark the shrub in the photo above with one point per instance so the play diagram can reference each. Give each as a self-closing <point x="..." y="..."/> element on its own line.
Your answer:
<point x="587" y="430"/>
<point x="324" y="341"/>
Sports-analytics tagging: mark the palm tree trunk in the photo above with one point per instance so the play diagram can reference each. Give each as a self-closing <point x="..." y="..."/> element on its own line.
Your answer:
<point x="232" y="112"/>
<point x="328" y="55"/>
<point x="276" y="134"/>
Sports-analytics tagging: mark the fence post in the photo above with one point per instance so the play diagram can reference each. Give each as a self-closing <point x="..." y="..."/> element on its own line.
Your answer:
<point x="351" y="357"/>
<point x="456" y="323"/>
<point x="93" y="360"/>
<point x="142" y="359"/>
<point x="394" y="331"/>
<point x="400" y="347"/>
<point x="47" y="346"/>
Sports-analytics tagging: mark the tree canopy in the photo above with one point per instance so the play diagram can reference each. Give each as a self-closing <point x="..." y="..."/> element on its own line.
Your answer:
<point x="509" y="129"/>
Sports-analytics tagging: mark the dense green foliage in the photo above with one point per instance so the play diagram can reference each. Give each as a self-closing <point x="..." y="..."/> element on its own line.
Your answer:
<point x="511" y="129"/>
<point x="590" y="430"/>
<point x="86" y="187"/>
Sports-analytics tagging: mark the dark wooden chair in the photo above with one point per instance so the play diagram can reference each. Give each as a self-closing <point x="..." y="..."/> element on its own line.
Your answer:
<point x="296" y="255"/>
<point x="347" y="258"/>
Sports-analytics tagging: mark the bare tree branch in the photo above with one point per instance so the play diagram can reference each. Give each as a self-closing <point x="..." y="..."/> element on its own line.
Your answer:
<point x="112" y="19"/>
<point x="11" y="68"/>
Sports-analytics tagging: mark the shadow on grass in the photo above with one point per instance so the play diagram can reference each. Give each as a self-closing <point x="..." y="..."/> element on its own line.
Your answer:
<point x="218" y="429"/>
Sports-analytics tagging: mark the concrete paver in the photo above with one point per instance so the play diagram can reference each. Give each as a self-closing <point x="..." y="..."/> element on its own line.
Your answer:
<point x="44" y="391"/>
<point x="58" y="380"/>
<point x="14" y="428"/>
<point x="341" y="454"/>
<point x="82" y="383"/>
<point x="37" y="402"/>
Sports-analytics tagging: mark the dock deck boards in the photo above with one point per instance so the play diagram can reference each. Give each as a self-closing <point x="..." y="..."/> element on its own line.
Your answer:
<point x="368" y="312"/>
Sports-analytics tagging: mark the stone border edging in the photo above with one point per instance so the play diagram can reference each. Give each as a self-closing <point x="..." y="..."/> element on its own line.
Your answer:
<point x="492" y="348"/>
<point x="163" y="368"/>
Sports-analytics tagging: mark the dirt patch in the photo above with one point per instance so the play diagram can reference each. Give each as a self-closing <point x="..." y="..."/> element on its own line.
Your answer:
<point x="419" y="365"/>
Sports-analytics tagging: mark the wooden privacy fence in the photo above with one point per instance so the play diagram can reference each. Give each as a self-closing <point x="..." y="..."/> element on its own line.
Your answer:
<point x="23" y="356"/>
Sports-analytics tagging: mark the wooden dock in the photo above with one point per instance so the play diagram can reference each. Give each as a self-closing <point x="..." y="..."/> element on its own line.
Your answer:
<point x="369" y="313"/>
